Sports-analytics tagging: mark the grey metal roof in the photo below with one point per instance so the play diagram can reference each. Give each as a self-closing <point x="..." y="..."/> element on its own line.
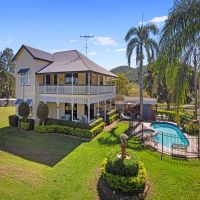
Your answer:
<point x="65" y="61"/>
<point x="73" y="61"/>
<point x="151" y="101"/>
<point x="39" y="53"/>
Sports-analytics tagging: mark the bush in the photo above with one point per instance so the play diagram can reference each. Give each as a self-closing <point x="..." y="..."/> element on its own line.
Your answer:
<point x="60" y="122"/>
<point x="80" y="125"/>
<point x="95" y="123"/>
<point x="13" y="120"/>
<point x="98" y="129"/>
<point x="24" y="110"/>
<point x="184" y="117"/>
<point x="112" y="112"/>
<point x="121" y="167"/>
<point x="192" y="128"/>
<point x="30" y="121"/>
<point x="78" y="132"/>
<point x="25" y="126"/>
<point x="42" y="112"/>
<point x="112" y="118"/>
<point x="129" y="181"/>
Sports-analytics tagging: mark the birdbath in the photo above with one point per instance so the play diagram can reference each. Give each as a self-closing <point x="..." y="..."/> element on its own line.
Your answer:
<point x="124" y="142"/>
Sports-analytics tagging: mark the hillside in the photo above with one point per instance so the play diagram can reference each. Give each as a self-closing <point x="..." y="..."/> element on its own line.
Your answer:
<point x="130" y="73"/>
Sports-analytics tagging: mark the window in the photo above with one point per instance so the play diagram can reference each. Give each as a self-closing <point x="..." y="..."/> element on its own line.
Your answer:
<point x="48" y="79"/>
<point x="24" y="79"/>
<point x="68" y="78"/>
<point x="55" y="79"/>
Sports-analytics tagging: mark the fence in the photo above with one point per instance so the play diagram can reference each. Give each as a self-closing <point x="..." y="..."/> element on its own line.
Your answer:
<point x="185" y="146"/>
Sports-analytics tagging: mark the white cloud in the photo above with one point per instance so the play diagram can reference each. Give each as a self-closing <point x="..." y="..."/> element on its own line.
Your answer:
<point x="104" y="41"/>
<point x="92" y="53"/>
<point x="7" y="41"/>
<point x="120" y="50"/>
<point x="107" y="50"/>
<point x="155" y="20"/>
<point x="72" y="40"/>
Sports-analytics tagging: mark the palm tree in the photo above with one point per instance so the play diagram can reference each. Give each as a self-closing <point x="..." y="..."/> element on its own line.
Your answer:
<point x="180" y="37"/>
<point x="138" y="39"/>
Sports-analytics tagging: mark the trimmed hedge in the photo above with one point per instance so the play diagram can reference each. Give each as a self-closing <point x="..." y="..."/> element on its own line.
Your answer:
<point x="78" y="132"/>
<point x="184" y="117"/>
<point x="30" y="121"/>
<point x="127" y="181"/>
<point x="25" y="126"/>
<point x="81" y="125"/>
<point x="113" y="118"/>
<point x="13" y="120"/>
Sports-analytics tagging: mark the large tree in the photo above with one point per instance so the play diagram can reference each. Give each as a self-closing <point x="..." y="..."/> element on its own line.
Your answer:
<point x="7" y="78"/>
<point x="180" y="40"/>
<point x="140" y="41"/>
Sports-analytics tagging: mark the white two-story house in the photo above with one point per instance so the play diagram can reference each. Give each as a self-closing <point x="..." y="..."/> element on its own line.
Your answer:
<point x="73" y="86"/>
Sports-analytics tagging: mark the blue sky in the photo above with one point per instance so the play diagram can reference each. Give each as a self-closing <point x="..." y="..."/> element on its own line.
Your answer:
<point x="56" y="25"/>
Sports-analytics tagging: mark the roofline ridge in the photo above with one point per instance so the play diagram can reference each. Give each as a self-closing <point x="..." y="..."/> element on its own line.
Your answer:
<point x="82" y="60"/>
<point x="36" y="49"/>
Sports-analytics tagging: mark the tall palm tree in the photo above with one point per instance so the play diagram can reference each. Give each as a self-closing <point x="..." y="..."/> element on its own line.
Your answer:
<point x="180" y="37"/>
<point x="139" y="39"/>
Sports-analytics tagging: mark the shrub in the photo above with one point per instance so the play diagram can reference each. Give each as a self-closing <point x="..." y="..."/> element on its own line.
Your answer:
<point x="127" y="181"/>
<point x="95" y="123"/>
<point x="42" y="112"/>
<point x="112" y="112"/>
<point x="13" y="120"/>
<point x="184" y="117"/>
<point x="112" y="118"/>
<point x="121" y="167"/>
<point x="51" y="121"/>
<point x="25" y="126"/>
<point x="78" y="132"/>
<point x="98" y="129"/>
<point x="30" y="121"/>
<point x="80" y="125"/>
<point x="192" y="128"/>
<point x="24" y="110"/>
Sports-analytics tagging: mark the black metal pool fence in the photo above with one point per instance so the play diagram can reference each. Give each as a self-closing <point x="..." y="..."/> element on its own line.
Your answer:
<point x="185" y="146"/>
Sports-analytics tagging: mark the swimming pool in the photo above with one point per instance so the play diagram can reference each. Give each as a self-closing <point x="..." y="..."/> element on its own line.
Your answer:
<point x="171" y="134"/>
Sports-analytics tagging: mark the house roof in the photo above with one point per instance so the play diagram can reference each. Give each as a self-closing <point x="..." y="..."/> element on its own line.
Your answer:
<point x="36" y="53"/>
<point x="136" y="100"/>
<point x="66" y="61"/>
<point x="74" y="61"/>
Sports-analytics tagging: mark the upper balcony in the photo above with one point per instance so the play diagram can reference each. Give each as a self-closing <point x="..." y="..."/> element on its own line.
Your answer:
<point x="76" y="89"/>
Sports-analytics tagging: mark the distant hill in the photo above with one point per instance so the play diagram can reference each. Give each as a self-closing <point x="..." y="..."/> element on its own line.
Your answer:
<point x="130" y="73"/>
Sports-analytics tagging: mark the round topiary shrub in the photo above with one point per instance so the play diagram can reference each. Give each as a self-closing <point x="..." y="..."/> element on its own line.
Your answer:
<point x="124" y="175"/>
<point x="24" y="110"/>
<point x="42" y="112"/>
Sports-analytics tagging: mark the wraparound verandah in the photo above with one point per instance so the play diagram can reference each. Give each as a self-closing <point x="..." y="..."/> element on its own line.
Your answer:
<point x="79" y="112"/>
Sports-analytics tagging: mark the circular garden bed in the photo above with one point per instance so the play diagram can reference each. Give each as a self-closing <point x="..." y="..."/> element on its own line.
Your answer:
<point x="122" y="178"/>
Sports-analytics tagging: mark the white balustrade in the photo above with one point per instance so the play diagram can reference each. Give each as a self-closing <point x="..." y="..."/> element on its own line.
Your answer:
<point x="76" y="90"/>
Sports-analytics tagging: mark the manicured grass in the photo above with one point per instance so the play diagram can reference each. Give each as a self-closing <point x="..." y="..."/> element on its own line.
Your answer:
<point x="4" y="113"/>
<point x="70" y="168"/>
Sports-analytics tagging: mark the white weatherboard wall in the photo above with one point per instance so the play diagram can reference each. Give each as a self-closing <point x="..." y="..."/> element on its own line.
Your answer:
<point x="25" y="60"/>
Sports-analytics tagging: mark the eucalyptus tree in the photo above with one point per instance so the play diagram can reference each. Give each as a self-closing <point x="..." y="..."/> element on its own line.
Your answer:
<point x="139" y="40"/>
<point x="180" y="38"/>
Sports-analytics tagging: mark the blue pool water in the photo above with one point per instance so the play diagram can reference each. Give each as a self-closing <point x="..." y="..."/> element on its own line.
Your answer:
<point x="171" y="134"/>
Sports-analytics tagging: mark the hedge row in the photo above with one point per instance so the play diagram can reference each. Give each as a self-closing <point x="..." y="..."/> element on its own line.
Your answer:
<point x="78" y="132"/>
<point x="82" y="125"/>
<point x="113" y="118"/>
<point x="192" y="128"/>
<point x="184" y="117"/>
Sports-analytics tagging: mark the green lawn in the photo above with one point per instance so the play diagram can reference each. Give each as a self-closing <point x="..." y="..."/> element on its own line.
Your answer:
<point x="54" y="167"/>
